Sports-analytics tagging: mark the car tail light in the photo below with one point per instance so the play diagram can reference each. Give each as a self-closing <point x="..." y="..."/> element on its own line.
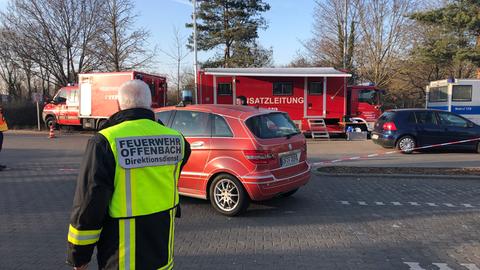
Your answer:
<point x="258" y="156"/>
<point x="389" y="126"/>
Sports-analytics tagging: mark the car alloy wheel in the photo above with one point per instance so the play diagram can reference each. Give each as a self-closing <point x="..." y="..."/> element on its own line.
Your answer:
<point x="406" y="144"/>
<point x="227" y="195"/>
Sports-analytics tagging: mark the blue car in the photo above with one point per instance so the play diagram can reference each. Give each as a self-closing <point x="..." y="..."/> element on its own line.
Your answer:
<point x="408" y="129"/>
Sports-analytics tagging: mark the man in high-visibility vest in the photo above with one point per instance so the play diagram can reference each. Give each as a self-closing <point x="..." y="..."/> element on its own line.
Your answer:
<point x="3" y="128"/>
<point x="126" y="198"/>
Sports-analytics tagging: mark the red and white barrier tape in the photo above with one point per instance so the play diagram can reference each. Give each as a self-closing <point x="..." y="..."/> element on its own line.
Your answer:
<point x="321" y="163"/>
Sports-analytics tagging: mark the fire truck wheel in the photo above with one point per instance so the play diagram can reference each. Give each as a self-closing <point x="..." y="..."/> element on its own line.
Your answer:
<point x="50" y="121"/>
<point x="227" y="195"/>
<point x="406" y="144"/>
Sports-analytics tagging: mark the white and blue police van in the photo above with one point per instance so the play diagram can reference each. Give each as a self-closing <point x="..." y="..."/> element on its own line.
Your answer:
<point x="460" y="96"/>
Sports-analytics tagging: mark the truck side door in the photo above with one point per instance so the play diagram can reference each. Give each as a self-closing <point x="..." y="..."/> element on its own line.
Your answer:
<point x="72" y="108"/>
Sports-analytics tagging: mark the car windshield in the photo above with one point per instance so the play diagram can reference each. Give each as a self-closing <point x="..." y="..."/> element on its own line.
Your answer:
<point x="272" y="125"/>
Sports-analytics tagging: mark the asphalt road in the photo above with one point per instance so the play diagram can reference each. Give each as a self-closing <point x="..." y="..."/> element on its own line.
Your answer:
<point x="70" y="146"/>
<point x="332" y="223"/>
<point x="321" y="151"/>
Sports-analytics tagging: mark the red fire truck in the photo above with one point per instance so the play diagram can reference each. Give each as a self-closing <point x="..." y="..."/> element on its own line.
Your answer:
<point x="89" y="103"/>
<point x="309" y="95"/>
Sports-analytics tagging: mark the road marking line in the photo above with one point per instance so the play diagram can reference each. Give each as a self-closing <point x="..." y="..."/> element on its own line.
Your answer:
<point x="442" y="266"/>
<point x="414" y="265"/>
<point x="68" y="170"/>
<point x="470" y="266"/>
<point x="376" y="203"/>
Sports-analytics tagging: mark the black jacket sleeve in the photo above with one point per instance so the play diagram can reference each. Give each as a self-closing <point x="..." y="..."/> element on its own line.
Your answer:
<point x="187" y="153"/>
<point x="94" y="190"/>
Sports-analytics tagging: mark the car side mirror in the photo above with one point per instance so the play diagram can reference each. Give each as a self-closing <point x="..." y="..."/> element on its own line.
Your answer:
<point x="470" y="125"/>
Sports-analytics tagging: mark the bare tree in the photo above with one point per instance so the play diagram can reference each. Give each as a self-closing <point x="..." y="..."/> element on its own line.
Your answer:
<point x="121" y="47"/>
<point x="326" y="48"/>
<point x="56" y="35"/>
<point x="10" y="68"/>
<point x="377" y="31"/>
<point x="177" y="53"/>
<point x="384" y="31"/>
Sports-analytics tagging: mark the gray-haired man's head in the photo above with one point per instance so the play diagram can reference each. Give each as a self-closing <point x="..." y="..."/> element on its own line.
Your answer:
<point x="134" y="94"/>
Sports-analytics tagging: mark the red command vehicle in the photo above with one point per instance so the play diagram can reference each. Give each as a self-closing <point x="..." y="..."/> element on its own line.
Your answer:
<point x="94" y="99"/>
<point x="364" y="103"/>
<point x="308" y="95"/>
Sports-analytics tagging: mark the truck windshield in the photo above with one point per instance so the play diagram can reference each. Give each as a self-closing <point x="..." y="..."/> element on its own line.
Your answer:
<point x="61" y="93"/>
<point x="61" y="96"/>
<point x="272" y="125"/>
<point x="368" y="96"/>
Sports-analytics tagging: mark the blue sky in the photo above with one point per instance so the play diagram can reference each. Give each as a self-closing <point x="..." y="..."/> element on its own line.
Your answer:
<point x="290" y="22"/>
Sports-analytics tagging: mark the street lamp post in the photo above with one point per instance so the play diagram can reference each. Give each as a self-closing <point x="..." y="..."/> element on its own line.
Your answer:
<point x="345" y="29"/>
<point x="195" y="65"/>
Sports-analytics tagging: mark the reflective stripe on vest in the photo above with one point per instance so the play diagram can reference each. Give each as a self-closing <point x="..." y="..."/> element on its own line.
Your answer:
<point x="83" y="237"/>
<point x="127" y="242"/>
<point x="148" y="158"/>
<point x="126" y="251"/>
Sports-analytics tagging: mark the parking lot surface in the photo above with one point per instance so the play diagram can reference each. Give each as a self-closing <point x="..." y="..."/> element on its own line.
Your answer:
<point x="332" y="223"/>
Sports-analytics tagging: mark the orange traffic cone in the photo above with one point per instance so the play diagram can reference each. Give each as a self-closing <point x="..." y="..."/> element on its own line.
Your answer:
<point x="51" y="134"/>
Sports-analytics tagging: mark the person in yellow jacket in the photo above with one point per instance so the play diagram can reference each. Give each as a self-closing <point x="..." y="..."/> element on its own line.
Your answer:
<point x="126" y="197"/>
<point x="3" y="128"/>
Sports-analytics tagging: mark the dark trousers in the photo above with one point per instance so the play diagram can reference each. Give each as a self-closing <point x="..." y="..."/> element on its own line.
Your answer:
<point x="1" y="140"/>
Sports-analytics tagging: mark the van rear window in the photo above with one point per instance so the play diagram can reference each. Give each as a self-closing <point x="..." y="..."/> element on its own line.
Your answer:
<point x="272" y="125"/>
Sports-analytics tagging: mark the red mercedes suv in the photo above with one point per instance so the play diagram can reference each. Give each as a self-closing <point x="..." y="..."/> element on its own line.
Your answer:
<point x="239" y="154"/>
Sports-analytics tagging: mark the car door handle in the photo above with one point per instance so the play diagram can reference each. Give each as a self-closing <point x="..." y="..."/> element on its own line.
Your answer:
<point x="197" y="144"/>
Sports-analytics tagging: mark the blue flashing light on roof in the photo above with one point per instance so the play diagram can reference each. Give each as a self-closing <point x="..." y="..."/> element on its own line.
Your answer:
<point x="451" y="80"/>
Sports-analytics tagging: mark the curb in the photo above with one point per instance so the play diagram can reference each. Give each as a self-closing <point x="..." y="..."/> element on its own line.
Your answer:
<point x="45" y="132"/>
<point x="429" y="176"/>
<point x="26" y="131"/>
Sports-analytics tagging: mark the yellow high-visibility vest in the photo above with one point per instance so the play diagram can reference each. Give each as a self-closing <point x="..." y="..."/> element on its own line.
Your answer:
<point x="3" y="123"/>
<point x="148" y="157"/>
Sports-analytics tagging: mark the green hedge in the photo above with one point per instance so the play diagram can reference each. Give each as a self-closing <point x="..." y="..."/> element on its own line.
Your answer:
<point x="21" y="114"/>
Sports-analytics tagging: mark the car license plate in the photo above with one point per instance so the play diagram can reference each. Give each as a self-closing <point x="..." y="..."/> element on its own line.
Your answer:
<point x="374" y="136"/>
<point x="289" y="160"/>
